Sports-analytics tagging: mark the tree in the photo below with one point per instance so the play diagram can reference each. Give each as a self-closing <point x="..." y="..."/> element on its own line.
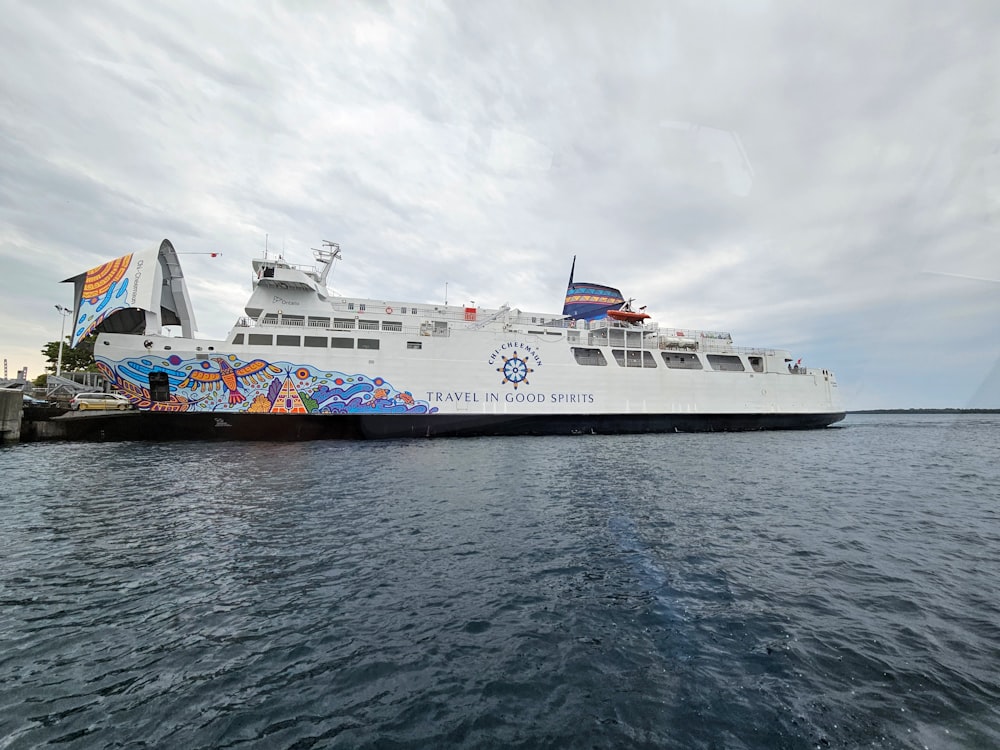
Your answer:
<point x="79" y="357"/>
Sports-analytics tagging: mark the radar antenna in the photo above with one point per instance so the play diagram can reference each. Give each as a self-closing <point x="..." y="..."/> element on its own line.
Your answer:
<point x="325" y="257"/>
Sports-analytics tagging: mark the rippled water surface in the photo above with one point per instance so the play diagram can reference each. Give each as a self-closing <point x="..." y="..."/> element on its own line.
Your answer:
<point x="836" y="588"/>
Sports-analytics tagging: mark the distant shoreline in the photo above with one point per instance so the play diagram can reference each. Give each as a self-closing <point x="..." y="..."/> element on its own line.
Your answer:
<point x="924" y="411"/>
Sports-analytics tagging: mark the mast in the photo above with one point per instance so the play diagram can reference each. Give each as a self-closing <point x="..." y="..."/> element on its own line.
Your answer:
<point x="329" y="253"/>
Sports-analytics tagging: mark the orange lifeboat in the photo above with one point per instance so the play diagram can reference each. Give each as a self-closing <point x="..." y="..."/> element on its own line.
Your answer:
<point x="627" y="316"/>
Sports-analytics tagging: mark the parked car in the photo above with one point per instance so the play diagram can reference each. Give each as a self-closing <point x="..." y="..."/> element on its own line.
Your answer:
<point x="99" y="401"/>
<point x="31" y="401"/>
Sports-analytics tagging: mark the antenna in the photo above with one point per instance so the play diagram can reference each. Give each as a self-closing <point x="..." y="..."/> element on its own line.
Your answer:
<point x="446" y="294"/>
<point x="265" y="245"/>
<point x="326" y="256"/>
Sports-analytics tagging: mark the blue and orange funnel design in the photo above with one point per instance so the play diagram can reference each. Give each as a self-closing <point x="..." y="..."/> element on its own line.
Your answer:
<point x="585" y="301"/>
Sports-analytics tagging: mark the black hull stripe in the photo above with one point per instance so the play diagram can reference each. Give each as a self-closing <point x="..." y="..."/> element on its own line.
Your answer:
<point x="195" y="426"/>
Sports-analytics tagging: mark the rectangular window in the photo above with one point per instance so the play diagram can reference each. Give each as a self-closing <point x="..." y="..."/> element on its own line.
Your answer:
<point x="725" y="363"/>
<point x="681" y="361"/>
<point x="757" y="363"/>
<point x="413" y="311"/>
<point x="633" y="358"/>
<point x="350" y="305"/>
<point x="593" y="357"/>
<point x="367" y="343"/>
<point x="361" y="308"/>
<point x="402" y="311"/>
<point x="338" y="343"/>
<point x="260" y="339"/>
<point x="414" y="345"/>
<point x="288" y="340"/>
<point x="238" y="338"/>
<point x="315" y="342"/>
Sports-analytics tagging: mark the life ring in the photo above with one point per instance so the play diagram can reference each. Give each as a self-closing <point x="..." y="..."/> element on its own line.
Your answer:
<point x="388" y="311"/>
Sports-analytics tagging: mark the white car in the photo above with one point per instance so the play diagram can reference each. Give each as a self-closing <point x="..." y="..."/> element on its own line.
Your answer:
<point x="99" y="401"/>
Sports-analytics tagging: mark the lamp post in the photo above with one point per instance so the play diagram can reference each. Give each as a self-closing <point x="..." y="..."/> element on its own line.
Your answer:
<point x="63" y="311"/>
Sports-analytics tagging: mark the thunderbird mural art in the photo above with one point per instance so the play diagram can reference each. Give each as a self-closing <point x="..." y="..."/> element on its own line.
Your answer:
<point x="228" y="385"/>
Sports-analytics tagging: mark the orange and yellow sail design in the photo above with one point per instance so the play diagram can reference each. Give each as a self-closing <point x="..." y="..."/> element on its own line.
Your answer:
<point x="99" y="280"/>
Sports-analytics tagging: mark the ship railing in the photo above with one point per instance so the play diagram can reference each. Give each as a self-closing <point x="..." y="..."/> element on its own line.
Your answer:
<point x="722" y="347"/>
<point x="285" y="321"/>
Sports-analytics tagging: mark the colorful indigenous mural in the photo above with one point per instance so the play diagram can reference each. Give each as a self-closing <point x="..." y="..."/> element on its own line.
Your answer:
<point x="228" y="384"/>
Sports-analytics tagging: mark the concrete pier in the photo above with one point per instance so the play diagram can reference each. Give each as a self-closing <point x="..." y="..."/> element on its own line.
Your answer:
<point x="11" y="411"/>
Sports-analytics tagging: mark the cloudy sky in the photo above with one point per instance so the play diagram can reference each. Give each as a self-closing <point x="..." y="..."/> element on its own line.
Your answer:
<point x="823" y="177"/>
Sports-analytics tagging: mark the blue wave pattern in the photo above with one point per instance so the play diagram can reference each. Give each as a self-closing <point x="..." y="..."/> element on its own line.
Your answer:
<point x="228" y="384"/>
<point x="836" y="588"/>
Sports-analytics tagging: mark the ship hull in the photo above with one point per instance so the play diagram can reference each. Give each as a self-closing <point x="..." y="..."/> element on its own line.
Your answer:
<point x="158" y="426"/>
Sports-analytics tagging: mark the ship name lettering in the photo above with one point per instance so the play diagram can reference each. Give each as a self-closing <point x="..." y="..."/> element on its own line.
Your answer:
<point x="525" y="351"/>
<point x="135" y="282"/>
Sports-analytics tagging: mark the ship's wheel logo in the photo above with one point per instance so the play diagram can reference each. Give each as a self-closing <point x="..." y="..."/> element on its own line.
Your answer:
<point x="514" y="370"/>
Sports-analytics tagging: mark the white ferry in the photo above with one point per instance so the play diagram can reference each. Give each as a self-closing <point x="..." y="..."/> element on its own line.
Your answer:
<point x="304" y="363"/>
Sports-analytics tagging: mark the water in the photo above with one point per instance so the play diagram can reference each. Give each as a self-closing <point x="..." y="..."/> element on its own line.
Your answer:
<point x="837" y="588"/>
